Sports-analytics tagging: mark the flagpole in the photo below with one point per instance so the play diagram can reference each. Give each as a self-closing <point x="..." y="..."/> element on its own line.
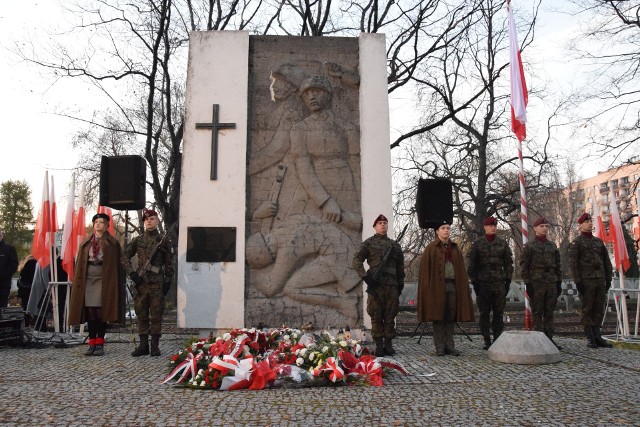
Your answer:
<point x="524" y="226"/>
<point x="519" y="99"/>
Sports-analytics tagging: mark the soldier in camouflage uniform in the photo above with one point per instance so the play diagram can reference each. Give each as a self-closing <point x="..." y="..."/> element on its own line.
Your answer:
<point x="490" y="267"/>
<point x="384" y="290"/>
<point x="542" y="274"/>
<point x="152" y="284"/>
<point x="592" y="272"/>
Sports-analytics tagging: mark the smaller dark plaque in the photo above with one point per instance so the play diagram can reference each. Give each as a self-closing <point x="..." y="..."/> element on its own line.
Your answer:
<point x="211" y="244"/>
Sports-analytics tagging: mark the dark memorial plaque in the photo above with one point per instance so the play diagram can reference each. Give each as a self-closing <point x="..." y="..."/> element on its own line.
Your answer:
<point x="211" y="244"/>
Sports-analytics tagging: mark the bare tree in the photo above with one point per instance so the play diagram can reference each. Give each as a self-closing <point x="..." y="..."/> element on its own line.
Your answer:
<point x="464" y="132"/>
<point x="609" y="47"/>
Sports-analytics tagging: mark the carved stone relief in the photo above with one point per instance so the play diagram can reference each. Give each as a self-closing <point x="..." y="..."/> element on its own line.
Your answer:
<point x="304" y="210"/>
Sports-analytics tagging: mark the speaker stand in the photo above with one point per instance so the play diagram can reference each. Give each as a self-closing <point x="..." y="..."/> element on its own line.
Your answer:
<point x="425" y="327"/>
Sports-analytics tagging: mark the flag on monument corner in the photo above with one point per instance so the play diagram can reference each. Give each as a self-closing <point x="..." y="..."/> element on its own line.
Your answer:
<point x="519" y="94"/>
<point x="40" y="244"/>
<point x="617" y="237"/>
<point x="69" y="245"/>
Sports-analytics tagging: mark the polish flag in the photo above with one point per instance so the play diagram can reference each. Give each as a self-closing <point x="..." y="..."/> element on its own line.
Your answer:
<point x="54" y="207"/>
<point x="519" y="94"/>
<point x="40" y="245"/>
<point x="80" y="225"/>
<point x="619" y="245"/>
<point x="69" y="246"/>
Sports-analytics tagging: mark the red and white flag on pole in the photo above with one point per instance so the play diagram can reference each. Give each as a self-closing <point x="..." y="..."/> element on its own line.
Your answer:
<point x="598" y="226"/>
<point x="69" y="245"/>
<point x="40" y="244"/>
<point x="54" y="209"/>
<point x="617" y="237"/>
<point x="519" y="94"/>
<point x="80" y="225"/>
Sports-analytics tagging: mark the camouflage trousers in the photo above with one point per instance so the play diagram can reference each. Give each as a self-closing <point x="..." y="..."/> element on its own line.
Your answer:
<point x="543" y="304"/>
<point x="492" y="297"/>
<point x="383" y="309"/>
<point x="149" y="305"/>
<point x="594" y="299"/>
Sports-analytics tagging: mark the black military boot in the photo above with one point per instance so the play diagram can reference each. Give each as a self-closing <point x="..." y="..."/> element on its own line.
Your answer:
<point x="591" y="339"/>
<point x="379" y="347"/>
<point x="143" y="348"/>
<point x="552" y="341"/>
<point x="388" y="347"/>
<point x="487" y="343"/>
<point x="598" y="338"/>
<point x="155" y="345"/>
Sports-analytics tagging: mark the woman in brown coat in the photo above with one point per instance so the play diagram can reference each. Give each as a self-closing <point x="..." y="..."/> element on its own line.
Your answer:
<point x="97" y="287"/>
<point x="444" y="297"/>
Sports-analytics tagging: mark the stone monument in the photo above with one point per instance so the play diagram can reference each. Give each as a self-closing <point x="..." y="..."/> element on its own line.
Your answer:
<point x="286" y="150"/>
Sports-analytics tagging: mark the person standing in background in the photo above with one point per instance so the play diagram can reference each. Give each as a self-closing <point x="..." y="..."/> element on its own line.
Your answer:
<point x="8" y="266"/>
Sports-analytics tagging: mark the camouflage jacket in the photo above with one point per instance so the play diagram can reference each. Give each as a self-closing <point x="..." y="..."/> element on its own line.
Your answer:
<point x="490" y="262"/>
<point x="161" y="266"/>
<point x="373" y="250"/>
<point x="589" y="259"/>
<point x="540" y="262"/>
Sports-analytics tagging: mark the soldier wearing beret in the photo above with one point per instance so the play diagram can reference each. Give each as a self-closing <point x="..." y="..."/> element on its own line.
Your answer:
<point x="444" y="297"/>
<point x="490" y="268"/>
<point x="592" y="273"/>
<point x="385" y="281"/>
<point x="542" y="274"/>
<point x="152" y="280"/>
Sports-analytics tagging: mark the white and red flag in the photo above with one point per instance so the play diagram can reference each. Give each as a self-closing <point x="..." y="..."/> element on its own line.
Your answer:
<point x="617" y="237"/>
<point x="54" y="207"/>
<point x="69" y="245"/>
<point x="40" y="246"/>
<point x="80" y="225"/>
<point x="519" y="94"/>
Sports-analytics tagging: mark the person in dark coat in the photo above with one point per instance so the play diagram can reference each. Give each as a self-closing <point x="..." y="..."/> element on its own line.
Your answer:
<point x="8" y="266"/>
<point x="26" y="270"/>
<point x="98" y="286"/>
<point x="592" y="272"/>
<point x="444" y="297"/>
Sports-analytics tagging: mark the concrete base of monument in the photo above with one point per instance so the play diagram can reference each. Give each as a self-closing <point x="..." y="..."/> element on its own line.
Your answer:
<point x="524" y="348"/>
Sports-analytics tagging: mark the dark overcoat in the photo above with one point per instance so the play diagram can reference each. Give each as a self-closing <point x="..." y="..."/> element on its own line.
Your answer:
<point x="431" y="284"/>
<point x="112" y="281"/>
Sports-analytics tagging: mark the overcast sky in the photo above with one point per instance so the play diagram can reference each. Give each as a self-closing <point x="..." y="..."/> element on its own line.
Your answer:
<point x="35" y="139"/>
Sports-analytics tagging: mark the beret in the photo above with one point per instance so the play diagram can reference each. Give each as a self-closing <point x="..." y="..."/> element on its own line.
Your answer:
<point x="584" y="217"/>
<point x="100" y="215"/>
<point x="380" y="218"/>
<point x="490" y="221"/>
<point x="540" y="221"/>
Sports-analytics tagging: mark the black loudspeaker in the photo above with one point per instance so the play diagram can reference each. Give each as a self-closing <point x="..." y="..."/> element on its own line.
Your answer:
<point x="434" y="202"/>
<point x="122" y="182"/>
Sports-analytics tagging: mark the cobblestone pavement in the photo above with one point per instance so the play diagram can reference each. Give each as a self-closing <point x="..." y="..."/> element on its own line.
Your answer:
<point x="61" y="387"/>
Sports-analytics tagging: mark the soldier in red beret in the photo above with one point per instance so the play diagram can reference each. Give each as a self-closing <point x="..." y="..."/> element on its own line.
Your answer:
<point x="490" y="268"/>
<point x="151" y="279"/>
<point x="385" y="281"/>
<point x="542" y="274"/>
<point x="592" y="272"/>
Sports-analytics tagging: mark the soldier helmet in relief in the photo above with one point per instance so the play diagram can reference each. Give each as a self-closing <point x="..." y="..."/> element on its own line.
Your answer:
<point x="584" y="217"/>
<point x="380" y="218"/>
<point x="100" y="215"/>
<point x="317" y="82"/>
<point x="289" y="73"/>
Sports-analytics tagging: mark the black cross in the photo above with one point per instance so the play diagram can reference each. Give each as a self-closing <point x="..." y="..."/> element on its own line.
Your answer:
<point x="215" y="126"/>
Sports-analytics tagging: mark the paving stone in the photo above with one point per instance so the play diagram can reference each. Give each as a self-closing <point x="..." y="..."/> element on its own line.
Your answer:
<point x="61" y="387"/>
